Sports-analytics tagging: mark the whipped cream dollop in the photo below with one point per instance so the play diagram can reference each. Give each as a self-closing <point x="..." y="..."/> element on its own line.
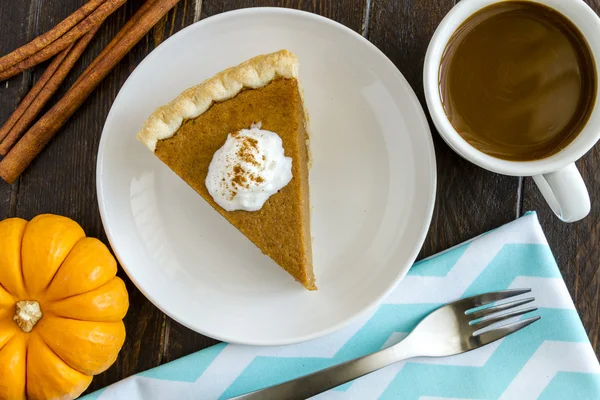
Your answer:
<point x="248" y="169"/>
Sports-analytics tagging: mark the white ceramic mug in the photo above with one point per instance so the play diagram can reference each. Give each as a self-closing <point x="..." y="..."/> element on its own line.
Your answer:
<point x="556" y="176"/>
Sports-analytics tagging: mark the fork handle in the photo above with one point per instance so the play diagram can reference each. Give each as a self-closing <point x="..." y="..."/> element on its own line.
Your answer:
<point x="325" y="379"/>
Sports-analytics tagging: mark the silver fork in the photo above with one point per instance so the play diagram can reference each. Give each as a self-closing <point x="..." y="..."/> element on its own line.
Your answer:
<point x="451" y="329"/>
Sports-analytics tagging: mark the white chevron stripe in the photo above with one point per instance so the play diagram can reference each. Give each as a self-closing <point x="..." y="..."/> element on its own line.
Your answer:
<point x="473" y="261"/>
<point x="444" y="289"/>
<point x="543" y="366"/>
<point x="548" y="292"/>
<point x="531" y="380"/>
<point x="475" y="358"/>
<point x="138" y="387"/>
<point x="225" y="368"/>
<point x="470" y="265"/>
<point x="331" y="395"/>
<point x="369" y="387"/>
<point x="394" y="338"/>
<point x="234" y="359"/>
<point x="443" y="398"/>
<point x="230" y="363"/>
<point x="372" y="386"/>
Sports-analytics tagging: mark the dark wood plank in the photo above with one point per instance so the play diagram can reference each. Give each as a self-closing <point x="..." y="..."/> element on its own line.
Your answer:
<point x="183" y="341"/>
<point x="146" y="325"/>
<point x="17" y="28"/>
<point x="62" y="179"/>
<point x="70" y="189"/>
<point x="470" y="200"/>
<point x="347" y="12"/>
<point x="576" y="246"/>
<point x="6" y="195"/>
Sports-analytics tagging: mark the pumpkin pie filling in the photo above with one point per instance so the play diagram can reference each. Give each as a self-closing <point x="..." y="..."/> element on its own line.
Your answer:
<point x="281" y="228"/>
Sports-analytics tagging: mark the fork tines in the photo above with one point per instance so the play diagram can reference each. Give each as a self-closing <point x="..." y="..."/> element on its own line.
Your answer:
<point x="481" y="318"/>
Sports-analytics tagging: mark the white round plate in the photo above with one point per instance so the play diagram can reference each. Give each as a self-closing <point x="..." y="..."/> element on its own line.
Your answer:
<point x="372" y="185"/>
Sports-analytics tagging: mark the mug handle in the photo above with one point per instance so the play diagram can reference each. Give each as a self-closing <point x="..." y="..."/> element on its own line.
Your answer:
<point x="565" y="192"/>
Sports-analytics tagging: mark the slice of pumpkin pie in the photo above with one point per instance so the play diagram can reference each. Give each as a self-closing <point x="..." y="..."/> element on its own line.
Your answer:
<point x="239" y="139"/>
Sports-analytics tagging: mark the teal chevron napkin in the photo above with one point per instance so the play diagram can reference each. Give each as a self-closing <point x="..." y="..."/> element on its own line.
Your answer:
<point x="551" y="360"/>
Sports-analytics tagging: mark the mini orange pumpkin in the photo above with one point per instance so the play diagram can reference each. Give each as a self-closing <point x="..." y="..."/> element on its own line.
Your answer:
<point x="61" y="308"/>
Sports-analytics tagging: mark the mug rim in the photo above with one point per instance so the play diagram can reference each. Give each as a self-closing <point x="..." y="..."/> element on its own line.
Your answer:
<point x="576" y="12"/>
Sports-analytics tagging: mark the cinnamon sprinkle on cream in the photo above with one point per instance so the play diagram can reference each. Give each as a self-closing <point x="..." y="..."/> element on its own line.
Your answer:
<point x="249" y="168"/>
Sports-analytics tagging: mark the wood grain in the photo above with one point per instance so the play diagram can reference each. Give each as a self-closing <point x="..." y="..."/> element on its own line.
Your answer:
<point x="576" y="246"/>
<point x="470" y="200"/>
<point x="71" y="190"/>
<point x="183" y="341"/>
<point x="17" y="28"/>
<point x="348" y="12"/>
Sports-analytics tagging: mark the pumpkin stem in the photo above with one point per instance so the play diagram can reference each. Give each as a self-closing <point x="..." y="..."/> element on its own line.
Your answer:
<point x="27" y="314"/>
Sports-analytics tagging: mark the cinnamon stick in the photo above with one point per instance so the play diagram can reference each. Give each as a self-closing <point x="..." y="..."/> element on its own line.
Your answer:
<point x="32" y="143"/>
<point x="53" y="34"/>
<point x="44" y="95"/>
<point x="134" y="20"/>
<point x="94" y="19"/>
<point x="32" y="94"/>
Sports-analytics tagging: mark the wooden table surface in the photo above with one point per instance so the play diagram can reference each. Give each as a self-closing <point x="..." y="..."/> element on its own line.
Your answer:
<point x="469" y="202"/>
